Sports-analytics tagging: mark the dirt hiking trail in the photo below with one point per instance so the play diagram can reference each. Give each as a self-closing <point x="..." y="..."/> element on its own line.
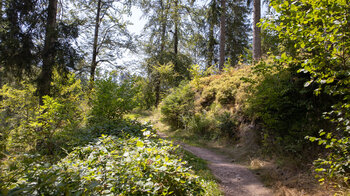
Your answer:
<point x="234" y="179"/>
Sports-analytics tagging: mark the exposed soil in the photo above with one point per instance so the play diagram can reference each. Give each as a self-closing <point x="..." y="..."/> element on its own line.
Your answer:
<point x="234" y="179"/>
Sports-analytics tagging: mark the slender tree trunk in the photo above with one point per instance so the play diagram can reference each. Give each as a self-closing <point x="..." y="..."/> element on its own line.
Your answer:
<point x="176" y="39"/>
<point x="1" y="75"/>
<point x="256" y="31"/>
<point x="48" y="55"/>
<point x="157" y="89"/>
<point x="176" y="33"/>
<point x="163" y="30"/>
<point x="94" y="47"/>
<point x="162" y="48"/>
<point x="211" y="42"/>
<point x="222" y="34"/>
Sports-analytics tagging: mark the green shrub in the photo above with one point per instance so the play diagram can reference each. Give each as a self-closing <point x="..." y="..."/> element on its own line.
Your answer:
<point x="112" y="99"/>
<point x="145" y="97"/>
<point x="287" y="111"/>
<point x="213" y="125"/>
<point x="18" y="109"/>
<point x="205" y="106"/>
<point x="225" y="89"/>
<point x="228" y="125"/>
<point x="200" y="125"/>
<point x="177" y="106"/>
<point x="315" y="35"/>
<point x="111" y="165"/>
<point x="28" y="126"/>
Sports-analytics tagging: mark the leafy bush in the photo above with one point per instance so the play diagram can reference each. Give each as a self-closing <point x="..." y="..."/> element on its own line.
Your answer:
<point x="113" y="166"/>
<point x="318" y="38"/>
<point x="228" y="125"/>
<point x="177" y="106"/>
<point x="213" y="125"/>
<point x="117" y="128"/>
<point x="27" y="125"/>
<point x="200" y="124"/>
<point x="145" y="97"/>
<point x="205" y="105"/>
<point x="224" y="89"/>
<point x="112" y="99"/>
<point x="287" y="111"/>
<point x="17" y="109"/>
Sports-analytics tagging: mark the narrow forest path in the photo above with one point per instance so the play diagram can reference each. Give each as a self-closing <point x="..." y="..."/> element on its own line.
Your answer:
<point x="234" y="179"/>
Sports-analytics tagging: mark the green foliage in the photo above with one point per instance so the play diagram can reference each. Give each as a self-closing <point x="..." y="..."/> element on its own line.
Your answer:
<point x="165" y="71"/>
<point x="287" y="110"/>
<point x="112" y="99"/>
<point x="18" y="107"/>
<point x="228" y="125"/>
<point x="316" y="35"/>
<point x="199" y="124"/>
<point x="167" y="74"/>
<point x="200" y="107"/>
<point x="269" y="42"/>
<point x="177" y="106"/>
<point x="213" y="125"/>
<point x="335" y="166"/>
<point x="237" y="38"/>
<point x="26" y="125"/>
<point x="195" y="73"/>
<point x="132" y="166"/>
<point x="225" y="89"/>
<point x="145" y="97"/>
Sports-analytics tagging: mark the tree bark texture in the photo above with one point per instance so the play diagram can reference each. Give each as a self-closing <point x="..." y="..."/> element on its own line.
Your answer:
<point x="256" y="31"/>
<point x="48" y="55"/>
<point x="176" y="33"/>
<point x="211" y="42"/>
<point x="94" y="47"/>
<point x="222" y="34"/>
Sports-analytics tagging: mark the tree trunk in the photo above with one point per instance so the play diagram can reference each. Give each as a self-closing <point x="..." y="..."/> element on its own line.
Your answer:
<point x="176" y="22"/>
<point x="162" y="48"/>
<point x="48" y="55"/>
<point x="256" y="31"/>
<point x="222" y="34"/>
<point x="211" y="42"/>
<point x="157" y="89"/>
<point x="94" y="47"/>
<point x="163" y="29"/>
<point x="1" y="75"/>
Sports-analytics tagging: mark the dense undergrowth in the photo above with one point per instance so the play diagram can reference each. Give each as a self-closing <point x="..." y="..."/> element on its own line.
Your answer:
<point x="215" y="106"/>
<point x="80" y="144"/>
<point x="269" y="96"/>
